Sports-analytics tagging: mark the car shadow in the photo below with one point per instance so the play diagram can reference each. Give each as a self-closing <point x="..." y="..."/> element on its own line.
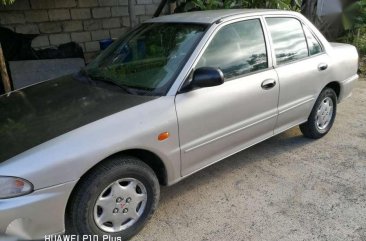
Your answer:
<point x="274" y="146"/>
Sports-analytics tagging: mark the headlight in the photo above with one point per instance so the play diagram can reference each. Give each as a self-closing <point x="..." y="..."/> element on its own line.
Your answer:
<point x="14" y="187"/>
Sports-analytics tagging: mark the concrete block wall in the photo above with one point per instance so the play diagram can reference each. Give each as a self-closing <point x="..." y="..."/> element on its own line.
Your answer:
<point x="82" y="21"/>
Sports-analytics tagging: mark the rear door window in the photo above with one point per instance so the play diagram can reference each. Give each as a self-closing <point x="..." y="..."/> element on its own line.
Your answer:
<point x="313" y="43"/>
<point x="288" y="39"/>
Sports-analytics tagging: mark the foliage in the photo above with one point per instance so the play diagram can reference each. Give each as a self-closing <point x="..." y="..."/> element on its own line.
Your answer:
<point x="354" y="23"/>
<point x="7" y="2"/>
<point x="360" y="41"/>
<point x="354" y="16"/>
<point x="363" y="67"/>
<point x="193" y="5"/>
<point x="276" y="4"/>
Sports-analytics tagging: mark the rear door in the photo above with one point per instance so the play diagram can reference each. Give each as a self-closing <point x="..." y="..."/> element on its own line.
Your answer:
<point x="302" y="68"/>
<point x="218" y="121"/>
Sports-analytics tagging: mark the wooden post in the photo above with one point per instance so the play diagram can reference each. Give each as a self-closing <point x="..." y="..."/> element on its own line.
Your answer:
<point x="4" y="72"/>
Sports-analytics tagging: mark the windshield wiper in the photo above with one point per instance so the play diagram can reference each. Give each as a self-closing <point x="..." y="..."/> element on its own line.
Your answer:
<point x="123" y="87"/>
<point x="108" y="81"/>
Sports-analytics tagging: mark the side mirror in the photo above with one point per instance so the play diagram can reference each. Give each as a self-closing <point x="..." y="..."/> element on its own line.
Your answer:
<point x="205" y="77"/>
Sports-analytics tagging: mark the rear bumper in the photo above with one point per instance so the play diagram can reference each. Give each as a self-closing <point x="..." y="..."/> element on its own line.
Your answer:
<point x="35" y="215"/>
<point x="346" y="87"/>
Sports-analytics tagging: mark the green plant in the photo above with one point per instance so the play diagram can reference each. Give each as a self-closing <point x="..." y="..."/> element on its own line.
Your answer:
<point x="354" y="16"/>
<point x="360" y="41"/>
<point x="276" y="4"/>
<point x="207" y="4"/>
<point x="7" y="2"/>
<point x="354" y="24"/>
<point x="192" y="5"/>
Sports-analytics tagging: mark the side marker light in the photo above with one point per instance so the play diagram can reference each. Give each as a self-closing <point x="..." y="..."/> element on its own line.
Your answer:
<point x="163" y="136"/>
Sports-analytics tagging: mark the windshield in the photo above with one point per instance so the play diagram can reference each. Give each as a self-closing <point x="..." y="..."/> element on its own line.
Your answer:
<point x="147" y="60"/>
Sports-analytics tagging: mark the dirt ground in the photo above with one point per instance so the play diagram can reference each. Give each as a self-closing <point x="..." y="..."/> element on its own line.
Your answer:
<point x="286" y="188"/>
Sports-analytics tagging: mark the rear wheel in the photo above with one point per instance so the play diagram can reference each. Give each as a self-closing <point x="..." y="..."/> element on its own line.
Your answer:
<point x="322" y="116"/>
<point x="116" y="198"/>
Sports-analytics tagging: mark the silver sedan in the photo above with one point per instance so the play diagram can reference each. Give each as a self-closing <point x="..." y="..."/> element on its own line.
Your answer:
<point x="86" y="153"/>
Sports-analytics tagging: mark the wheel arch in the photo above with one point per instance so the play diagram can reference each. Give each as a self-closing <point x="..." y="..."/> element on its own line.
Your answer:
<point x="148" y="157"/>
<point x="336" y="86"/>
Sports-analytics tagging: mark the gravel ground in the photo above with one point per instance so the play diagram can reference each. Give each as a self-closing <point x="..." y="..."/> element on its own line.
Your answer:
<point x="286" y="188"/>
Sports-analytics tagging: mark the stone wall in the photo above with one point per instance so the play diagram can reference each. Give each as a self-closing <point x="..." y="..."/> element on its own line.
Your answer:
<point x="82" y="21"/>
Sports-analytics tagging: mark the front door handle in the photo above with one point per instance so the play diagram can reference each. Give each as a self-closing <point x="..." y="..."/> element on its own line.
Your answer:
<point x="322" y="67"/>
<point x="268" y="84"/>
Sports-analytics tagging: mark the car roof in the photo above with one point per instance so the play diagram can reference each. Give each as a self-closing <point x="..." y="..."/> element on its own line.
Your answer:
<point x="211" y="16"/>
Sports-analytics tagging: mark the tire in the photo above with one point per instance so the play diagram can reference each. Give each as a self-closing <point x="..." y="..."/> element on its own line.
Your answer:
<point x="316" y="127"/>
<point x="105" y="199"/>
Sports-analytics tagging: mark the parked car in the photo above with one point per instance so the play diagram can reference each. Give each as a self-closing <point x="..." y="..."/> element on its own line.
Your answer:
<point x="87" y="153"/>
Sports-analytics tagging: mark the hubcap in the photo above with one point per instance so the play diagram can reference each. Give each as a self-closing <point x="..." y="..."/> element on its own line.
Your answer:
<point x="120" y="205"/>
<point x="324" y="114"/>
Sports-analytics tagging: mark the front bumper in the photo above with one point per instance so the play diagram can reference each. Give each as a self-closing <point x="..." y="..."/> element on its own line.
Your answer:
<point x="37" y="214"/>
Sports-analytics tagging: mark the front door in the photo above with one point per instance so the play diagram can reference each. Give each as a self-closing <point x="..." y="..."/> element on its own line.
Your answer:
<point x="216" y="122"/>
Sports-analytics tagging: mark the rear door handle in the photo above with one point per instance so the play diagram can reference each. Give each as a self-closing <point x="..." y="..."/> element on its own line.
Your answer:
<point x="322" y="67"/>
<point x="268" y="84"/>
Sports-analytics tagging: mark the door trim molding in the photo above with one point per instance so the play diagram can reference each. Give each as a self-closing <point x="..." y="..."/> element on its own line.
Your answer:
<point x="229" y="133"/>
<point x="297" y="105"/>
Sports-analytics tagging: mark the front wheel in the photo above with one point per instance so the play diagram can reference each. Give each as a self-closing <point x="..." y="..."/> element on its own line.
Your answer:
<point x="116" y="199"/>
<point x="322" y="116"/>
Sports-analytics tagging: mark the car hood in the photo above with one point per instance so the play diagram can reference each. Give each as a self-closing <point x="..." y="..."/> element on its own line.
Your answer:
<point x="36" y="114"/>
